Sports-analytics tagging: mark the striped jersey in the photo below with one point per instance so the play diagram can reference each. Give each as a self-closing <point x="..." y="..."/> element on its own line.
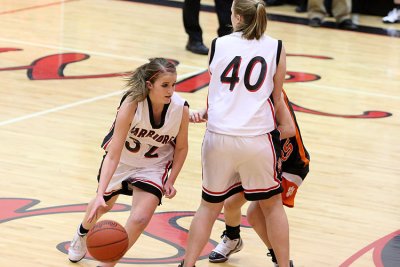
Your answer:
<point x="241" y="84"/>
<point x="149" y="144"/>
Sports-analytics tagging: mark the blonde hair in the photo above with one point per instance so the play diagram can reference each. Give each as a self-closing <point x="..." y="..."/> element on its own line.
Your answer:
<point x="254" y="18"/>
<point x="136" y="82"/>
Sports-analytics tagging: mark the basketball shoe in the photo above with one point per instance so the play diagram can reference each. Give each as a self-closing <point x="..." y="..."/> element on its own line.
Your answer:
<point x="392" y="17"/>
<point x="181" y="264"/>
<point x="290" y="264"/>
<point x="77" y="249"/>
<point x="225" y="248"/>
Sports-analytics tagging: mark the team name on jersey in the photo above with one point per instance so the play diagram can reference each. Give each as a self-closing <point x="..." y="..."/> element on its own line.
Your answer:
<point x="144" y="133"/>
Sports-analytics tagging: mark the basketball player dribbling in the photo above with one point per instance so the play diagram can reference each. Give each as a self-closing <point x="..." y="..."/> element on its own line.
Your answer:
<point x="241" y="146"/>
<point x="145" y="151"/>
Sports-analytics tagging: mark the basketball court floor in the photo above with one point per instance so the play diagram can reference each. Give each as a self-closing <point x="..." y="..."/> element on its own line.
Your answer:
<point x="61" y="67"/>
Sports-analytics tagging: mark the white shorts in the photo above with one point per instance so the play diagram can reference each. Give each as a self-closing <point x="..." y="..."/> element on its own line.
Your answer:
<point x="149" y="179"/>
<point x="232" y="164"/>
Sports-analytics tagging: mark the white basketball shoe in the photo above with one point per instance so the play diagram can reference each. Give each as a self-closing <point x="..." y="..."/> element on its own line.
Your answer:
<point x="77" y="249"/>
<point x="225" y="248"/>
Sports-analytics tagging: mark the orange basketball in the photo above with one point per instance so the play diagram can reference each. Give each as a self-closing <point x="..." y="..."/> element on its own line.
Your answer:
<point x="107" y="241"/>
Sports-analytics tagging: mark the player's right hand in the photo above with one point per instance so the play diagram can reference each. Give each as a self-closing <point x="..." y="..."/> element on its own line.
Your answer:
<point x="97" y="204"/>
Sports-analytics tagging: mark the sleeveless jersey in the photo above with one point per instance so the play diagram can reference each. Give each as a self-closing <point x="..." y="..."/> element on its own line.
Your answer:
<point x="241" y="83"/>
<point x="148" y="144"/>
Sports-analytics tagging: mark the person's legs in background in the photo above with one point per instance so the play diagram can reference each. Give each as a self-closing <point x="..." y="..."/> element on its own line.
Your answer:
<point x="223" y="9"/>
<point x="341" y="10"/>
<point x="316" y="12"/>
<point x="191" y="12"/>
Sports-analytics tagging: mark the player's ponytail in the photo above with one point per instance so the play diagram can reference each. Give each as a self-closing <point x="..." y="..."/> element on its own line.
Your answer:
<point x="254" y="17"/>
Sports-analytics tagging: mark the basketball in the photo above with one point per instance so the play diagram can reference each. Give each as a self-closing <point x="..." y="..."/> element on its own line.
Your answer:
<point x="107" y="241"/>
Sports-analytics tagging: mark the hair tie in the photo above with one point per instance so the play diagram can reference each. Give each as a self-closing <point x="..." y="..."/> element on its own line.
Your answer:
<point x="152" y="76"/>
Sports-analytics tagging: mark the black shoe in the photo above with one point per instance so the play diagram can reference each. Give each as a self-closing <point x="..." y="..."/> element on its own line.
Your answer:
<point x="181" y="264"/>
<point x="315" y="22"/>
<point x="290" y="264"/>
<point x="347" y="24"/>
<point x="197" y="48"/>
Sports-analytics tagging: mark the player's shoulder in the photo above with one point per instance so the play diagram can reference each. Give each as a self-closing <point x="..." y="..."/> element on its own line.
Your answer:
<point x="177" y="99"/>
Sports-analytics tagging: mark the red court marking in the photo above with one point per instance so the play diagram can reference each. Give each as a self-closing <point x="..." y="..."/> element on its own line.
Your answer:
<point x="33" y="7"/>
<point x="376" y="246"/>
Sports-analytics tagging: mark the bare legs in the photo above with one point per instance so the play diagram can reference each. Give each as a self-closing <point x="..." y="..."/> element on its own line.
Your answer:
<point x="273" y="216"/>
<point x="232" y="209"/>
<point x="200" y="230"/>
<point x="143" y="206"/>
<point x="277" y="227"/>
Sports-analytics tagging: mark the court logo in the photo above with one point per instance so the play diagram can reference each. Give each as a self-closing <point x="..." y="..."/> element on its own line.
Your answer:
<point x="165" y="228"/>
<point x="52" y="67"/>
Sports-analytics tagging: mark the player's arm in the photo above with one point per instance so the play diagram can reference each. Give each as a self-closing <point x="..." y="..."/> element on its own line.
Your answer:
<point x="285" y="123"/>
<point x="114" y="149"/>
<point x="181" y="150"/>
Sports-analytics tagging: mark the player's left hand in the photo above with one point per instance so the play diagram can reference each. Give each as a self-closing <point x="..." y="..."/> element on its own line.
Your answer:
<point x="169" y="190"/>
<point x="196" y="116"/>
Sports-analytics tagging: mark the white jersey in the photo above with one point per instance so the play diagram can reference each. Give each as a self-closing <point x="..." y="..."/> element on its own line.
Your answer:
<point x="241" y="84"/>
<point x="148" y="144"/>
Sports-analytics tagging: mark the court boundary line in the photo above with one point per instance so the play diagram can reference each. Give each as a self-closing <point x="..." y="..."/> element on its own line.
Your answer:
<point x="180" y="65"/>
<point x="34" y="7"/>
<point x="59" y="108"/>
<point x="75" y="104"/>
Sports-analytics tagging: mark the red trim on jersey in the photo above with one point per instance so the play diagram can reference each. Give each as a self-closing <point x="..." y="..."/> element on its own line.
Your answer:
<point x="106" y="144"/>
<point x="271" y="106"/>
<point x="165" y="175"/>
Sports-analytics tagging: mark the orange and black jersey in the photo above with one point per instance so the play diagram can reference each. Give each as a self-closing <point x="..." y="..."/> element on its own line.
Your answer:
<point x="295" y="157"/>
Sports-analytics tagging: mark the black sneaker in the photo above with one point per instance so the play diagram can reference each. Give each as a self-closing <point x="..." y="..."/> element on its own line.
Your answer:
<point x="197" y="48"/>
<point x="290" y="264"/>
<point x="181" y="264"/>
<point x="315" y="22"/>
<point x="347" y="24"/>
<point x="272" y="258"/>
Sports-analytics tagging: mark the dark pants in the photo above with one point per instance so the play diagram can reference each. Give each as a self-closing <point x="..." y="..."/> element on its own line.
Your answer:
<point x="191" y="11"/>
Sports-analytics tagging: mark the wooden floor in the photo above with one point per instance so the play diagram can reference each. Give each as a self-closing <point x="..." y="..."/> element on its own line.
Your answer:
<point x="60" y="84"/>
